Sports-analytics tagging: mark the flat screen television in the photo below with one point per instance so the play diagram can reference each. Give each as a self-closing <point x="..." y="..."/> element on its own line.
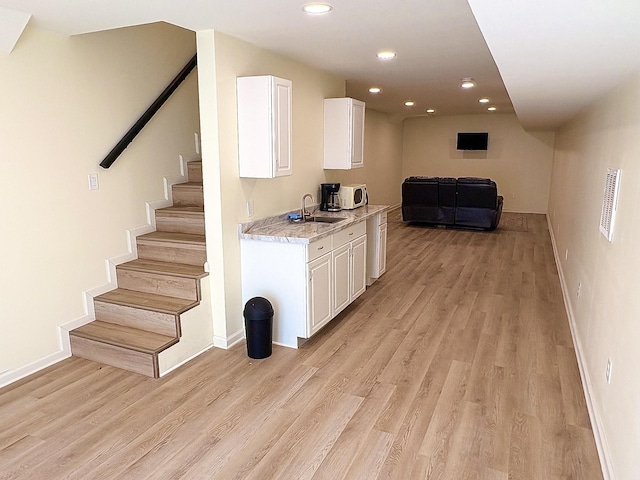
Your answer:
<point x="472" y="141"/>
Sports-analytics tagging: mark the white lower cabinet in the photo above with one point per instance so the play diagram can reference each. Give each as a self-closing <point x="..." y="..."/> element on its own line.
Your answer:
<point x="377" y="248"/>
<point x="341" y="258"/>
<point x="349" y="269"/>
<point x="359" y="267"/>
<point x="308" y="285"/>
<point x="382" y="249"/>
<point x="319" y="293"/>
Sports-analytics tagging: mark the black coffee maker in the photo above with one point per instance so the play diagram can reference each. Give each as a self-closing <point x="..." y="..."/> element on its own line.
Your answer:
<point x="329" y="200"/>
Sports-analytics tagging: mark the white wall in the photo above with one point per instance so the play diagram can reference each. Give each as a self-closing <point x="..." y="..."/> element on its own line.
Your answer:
<point x="606" y="316"/>
<point x="65" y="103"/>
<point x="224" y="189"/>
<point x="382" y="171"/>
<point x="226" y="194"/>
<point x="519" y="161"/>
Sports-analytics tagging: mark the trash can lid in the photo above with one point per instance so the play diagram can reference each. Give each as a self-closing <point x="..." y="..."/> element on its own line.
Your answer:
<point x="258" y="308"/>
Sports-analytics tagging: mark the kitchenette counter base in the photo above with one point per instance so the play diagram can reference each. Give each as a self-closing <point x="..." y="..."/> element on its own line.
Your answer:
<point x="310" y="271"/>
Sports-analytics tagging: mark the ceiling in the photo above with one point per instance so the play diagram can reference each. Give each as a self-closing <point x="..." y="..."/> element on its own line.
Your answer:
<point x="554" y="57"/>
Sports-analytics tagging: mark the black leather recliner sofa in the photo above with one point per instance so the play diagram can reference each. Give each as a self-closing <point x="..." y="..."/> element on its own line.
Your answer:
<point x="463" y="202"/>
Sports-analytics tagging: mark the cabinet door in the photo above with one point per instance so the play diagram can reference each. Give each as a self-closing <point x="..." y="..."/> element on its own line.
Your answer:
<point x="319" y="294"/>
<point x="341" y="278"/>
<point x="343" y="133"/>
<point x="264" y="126"/>
<point x="282" y="127"/>
<point x="357" y="134"/>
<point x="382" y="249"/>
<point x="358" y="267"/>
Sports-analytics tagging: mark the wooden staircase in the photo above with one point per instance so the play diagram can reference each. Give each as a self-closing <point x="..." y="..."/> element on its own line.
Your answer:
<point x="141" y="318"/>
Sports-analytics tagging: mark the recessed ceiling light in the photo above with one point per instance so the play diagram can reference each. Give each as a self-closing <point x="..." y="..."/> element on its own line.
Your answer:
<point x="492" y="108"/>
<point x="375" y="90"/>
<point x="317" y="8"/>
<point x="386" y="55"/>
<point x="409" y="103"/>
<point x="431" y="110"/>
<point x="467" y="83"/>
<point x="484" y="100"/>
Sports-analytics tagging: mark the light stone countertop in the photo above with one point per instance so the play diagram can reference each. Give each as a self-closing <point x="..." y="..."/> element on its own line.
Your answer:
<point x="279" y="229"/>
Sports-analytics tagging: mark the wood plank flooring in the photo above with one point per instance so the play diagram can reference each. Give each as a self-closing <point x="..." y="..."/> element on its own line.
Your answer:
<point x="456" y="364"/>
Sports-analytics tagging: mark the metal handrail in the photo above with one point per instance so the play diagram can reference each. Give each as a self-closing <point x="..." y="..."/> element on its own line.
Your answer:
<point x="146" y="116"/>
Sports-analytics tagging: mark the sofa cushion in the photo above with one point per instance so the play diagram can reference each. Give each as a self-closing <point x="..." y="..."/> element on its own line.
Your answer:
<point x="478" y="194"/>
<point x="476" y="180"/>
<point x="447" y="200"/>
<point x="422" y="179"/>
<point x="420" y="199"/>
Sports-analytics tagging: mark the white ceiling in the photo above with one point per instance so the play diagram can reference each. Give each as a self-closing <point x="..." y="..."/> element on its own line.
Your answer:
<point x="555" y="56"/>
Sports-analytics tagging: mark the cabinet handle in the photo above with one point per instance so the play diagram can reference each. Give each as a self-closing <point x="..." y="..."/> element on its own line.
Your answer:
<point x="320" y="248"/>
<point x="351" y="234"/>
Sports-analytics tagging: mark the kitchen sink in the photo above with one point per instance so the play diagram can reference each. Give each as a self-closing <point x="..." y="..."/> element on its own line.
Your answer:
<point x="325" y="219"/>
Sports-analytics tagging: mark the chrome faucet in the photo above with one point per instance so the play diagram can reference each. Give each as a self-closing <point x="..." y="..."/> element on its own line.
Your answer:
<point x="303" y="211"/>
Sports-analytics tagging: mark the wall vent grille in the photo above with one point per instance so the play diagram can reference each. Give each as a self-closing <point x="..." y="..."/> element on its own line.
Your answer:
<point x="609" y="203"/>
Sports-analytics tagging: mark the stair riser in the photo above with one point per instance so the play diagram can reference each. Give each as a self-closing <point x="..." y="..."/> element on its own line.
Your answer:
<point x="107" y="343"/>
<point x="172" y="252"/>
<point x="187" y="196"/>
<point x="156" y="322"/>
<point x="160" y="284"/>
<point x="180" y="223"/>
<point x="142" y="363"/>
<point x="195" y="171"/>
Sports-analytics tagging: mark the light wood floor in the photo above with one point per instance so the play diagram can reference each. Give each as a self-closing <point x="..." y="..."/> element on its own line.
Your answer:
<point x="457" y="364"/>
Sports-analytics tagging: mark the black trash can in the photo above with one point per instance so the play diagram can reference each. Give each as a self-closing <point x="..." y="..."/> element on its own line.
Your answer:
<point x="258" y="324"/>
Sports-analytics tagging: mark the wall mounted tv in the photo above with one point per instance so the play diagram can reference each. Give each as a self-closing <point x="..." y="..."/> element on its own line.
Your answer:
<point x="472" y="141"/>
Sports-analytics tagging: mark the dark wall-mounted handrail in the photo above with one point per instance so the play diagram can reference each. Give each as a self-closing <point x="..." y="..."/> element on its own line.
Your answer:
<point x="146" y="116"/>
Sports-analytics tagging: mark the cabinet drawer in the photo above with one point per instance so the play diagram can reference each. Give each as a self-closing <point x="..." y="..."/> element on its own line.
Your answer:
<point x="348" y="234"/>
<point x="318" y="248"/>
<point x="383" y="218"/>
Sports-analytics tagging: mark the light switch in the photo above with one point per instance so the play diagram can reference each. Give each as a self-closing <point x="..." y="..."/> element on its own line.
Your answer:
<point x="93" y="181"/>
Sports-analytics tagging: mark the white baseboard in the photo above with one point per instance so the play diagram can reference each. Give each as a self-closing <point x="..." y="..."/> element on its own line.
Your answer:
<point x="64" y="343"/>
<point x="186" y="360"/>
<point x="394" y="207"/>
<point x="11" y="376"/>
<point x="594" y="412"/>
<point x="230" y="341"/>
<point x="523" y="211"/>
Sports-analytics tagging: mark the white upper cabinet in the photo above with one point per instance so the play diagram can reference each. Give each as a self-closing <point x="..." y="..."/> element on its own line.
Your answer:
<point x="343" y="133"/>
<point x="264" y="126"/>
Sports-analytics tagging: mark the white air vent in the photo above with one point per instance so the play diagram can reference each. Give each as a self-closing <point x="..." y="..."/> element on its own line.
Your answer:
<point x="609" y="203"/>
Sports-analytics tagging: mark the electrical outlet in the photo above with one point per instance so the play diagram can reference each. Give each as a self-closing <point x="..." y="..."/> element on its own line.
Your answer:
<point x="250" y="209"/>
<point x="513" y="196"/>
<point x="579" y="289"/>
<point x="197" y="140"/>
<point x="93" y="181"/>
<point x="566" y="254"/>
<point x="608" y="372"/>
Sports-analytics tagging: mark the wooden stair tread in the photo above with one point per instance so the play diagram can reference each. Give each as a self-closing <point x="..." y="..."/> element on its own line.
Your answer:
<point x="190" y="210"/>
<point x="126" y="337"/>
<point x="147" y="301"/>
<point x="194" y="185"/>
<point x="174" y="237"/>
<point x="170" y="268"/>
